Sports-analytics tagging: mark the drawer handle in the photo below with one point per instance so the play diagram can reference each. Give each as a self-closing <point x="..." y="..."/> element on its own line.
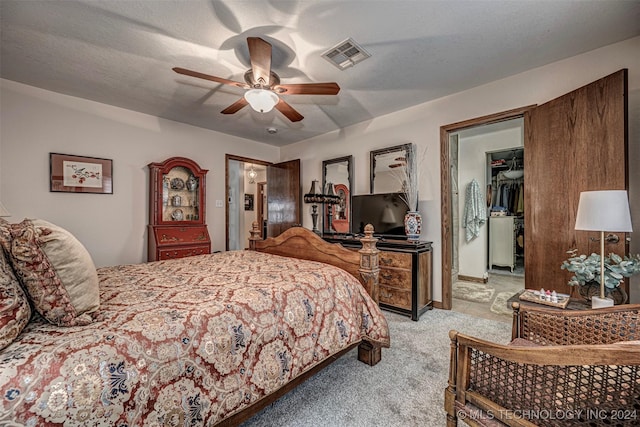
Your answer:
<point x="387" y="295"/>
<point x="386" y="276"/>
<point x="386" y="261"/>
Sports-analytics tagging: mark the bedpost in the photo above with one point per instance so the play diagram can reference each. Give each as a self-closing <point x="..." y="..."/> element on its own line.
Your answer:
<point x="450" y="391"/>
<point x="369" y="353"/>
<point x="369" y="269"/>
<point x="255" y="235"/>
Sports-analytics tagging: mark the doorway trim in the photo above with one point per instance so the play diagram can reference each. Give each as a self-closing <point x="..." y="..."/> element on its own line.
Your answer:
<point x="260" y="204"/>
<point x="228" y="157"/>
<point x="445" y="190"/>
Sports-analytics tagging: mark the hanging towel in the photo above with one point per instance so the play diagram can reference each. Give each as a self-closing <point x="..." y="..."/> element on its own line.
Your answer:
<point x="475" y="213"/>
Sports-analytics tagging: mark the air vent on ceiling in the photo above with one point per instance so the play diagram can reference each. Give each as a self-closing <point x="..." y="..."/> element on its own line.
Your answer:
<point x="346" y="54"/>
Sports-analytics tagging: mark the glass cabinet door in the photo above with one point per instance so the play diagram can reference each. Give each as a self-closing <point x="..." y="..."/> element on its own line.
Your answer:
<point x="180" y="201"/>
<point x="177" y="192"/>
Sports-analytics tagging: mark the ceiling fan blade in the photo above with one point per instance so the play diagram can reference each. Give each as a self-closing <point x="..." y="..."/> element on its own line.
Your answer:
<point x="208" y="77"/>
<point x="235" y="107"/>
<point x="260" y="54"/>
<point x="288" y="111"/>
<point x="308" y="89"/>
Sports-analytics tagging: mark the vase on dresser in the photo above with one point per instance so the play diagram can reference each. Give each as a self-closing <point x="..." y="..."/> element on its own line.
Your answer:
<point x="413" y="225"/>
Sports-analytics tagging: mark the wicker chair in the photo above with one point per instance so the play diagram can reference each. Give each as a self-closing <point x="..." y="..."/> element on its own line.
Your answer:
<point x="561" y="368"/>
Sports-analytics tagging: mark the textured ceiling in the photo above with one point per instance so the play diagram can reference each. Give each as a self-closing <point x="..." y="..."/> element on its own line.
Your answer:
<point x="121" y="52"/>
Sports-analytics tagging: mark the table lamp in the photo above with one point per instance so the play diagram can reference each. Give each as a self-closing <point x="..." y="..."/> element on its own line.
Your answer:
<point x="330" y="199"/>
<point x="314" y="196"/>
<point x="606" y="210"/>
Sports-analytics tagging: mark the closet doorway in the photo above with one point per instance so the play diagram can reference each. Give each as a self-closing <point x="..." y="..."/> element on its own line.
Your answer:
<point x="452" y="193"/>
<point x="485" y="269"/>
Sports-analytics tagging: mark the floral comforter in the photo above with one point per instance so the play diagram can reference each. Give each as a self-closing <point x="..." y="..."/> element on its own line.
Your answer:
<point x="185" y="342"/>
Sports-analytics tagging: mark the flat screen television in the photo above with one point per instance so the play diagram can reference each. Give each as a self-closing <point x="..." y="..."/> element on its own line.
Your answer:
<point x="384" y="211"/>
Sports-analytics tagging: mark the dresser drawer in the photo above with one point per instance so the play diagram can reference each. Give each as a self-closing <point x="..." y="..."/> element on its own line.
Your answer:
<point x="394" y="259"/>
<point x="182" y="252"/>
<point x="395" y="277"/>
<point x="395" y="297"/>
<point x="179" y="235"/>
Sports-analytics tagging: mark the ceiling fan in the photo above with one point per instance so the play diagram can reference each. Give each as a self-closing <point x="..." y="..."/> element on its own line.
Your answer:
<point x="264" y="85"/>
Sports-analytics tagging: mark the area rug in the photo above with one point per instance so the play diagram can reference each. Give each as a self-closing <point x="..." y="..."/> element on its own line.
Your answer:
<point x="469" y="291"/>
<point x="501" y="303"/>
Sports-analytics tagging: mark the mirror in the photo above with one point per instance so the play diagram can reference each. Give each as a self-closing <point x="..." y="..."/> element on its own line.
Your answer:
<point x="338" y="172"/>
<point x="383" y="162"/>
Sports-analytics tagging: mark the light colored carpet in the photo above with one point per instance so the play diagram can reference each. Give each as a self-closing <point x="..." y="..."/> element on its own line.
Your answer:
<point x="469" y="291"/>
<point x="405" y="389"/>
<point x="500" y="305"/>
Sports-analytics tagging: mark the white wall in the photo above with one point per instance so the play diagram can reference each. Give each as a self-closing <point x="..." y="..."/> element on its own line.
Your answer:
<point x="35" y="122"/>
<point x="236" y="209"/>
<point x="421" y="124"/>
<point x="472" y="163"/>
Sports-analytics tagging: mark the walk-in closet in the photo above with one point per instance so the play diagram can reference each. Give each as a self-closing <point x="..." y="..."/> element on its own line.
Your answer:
<point x="487" y="173"/>
<point x="505" y="200"/>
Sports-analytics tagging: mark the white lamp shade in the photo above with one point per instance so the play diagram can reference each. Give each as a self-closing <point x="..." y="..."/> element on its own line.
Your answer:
<point x="261" y="100"/>
<point x="604" y="211"/>
<point x="3" y="211"/>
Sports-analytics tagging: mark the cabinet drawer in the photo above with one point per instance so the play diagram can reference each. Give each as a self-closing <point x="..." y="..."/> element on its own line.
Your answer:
<point x="178" y="235"/>
<point x="395" y="277"/>
<point x="182" y="252"/>
<point x="395" y="297"/>
<point x="394" y="259"/>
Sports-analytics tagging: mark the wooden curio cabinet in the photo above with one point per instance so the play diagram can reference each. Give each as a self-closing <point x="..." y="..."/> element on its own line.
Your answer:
<point x="177" y="226"/>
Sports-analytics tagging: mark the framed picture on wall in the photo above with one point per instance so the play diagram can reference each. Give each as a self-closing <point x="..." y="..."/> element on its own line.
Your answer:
<point x="248" y="202"/>
<point x="80" y="174"/>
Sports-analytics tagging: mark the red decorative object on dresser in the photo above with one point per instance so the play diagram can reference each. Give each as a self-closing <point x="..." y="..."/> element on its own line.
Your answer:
<point x="177" y="210"/>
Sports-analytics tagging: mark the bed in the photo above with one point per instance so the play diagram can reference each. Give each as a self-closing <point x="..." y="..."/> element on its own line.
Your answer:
<point x="202" y="340"/>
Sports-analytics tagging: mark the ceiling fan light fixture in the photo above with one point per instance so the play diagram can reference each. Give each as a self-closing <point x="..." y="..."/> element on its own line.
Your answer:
<point x="261" y="100"/>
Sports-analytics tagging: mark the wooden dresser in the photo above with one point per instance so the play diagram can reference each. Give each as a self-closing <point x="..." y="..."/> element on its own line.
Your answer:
<point x="177" y="226"/>
<point x="405" y="273"/>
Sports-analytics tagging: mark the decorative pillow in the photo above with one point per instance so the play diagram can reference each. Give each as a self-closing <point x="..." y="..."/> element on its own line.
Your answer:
<point x="57" y="272"/>
<point x="15" y="310"/>
<point x="5" y="236"/>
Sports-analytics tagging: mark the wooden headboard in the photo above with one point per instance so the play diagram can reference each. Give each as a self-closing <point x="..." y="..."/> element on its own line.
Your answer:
<point x="299" y="242"/>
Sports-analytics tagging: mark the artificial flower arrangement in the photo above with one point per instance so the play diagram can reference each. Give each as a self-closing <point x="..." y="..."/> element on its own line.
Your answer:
<point x="586" y="269"/>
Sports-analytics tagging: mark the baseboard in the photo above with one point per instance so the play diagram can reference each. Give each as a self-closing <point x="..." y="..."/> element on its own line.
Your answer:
<point x="473" y="279"/>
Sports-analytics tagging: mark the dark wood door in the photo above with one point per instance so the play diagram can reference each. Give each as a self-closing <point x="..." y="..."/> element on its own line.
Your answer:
<point x="283" y="197"/>
<point x="574" y="143"/>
